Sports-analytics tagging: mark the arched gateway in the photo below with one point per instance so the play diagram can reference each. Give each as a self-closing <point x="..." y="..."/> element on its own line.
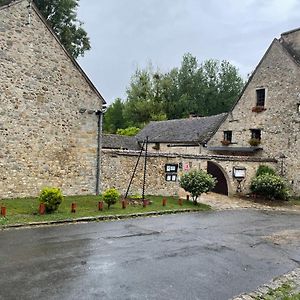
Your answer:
<point x="216" y="171"/>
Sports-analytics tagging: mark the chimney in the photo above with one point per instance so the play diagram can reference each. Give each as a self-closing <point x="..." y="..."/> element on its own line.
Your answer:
<point x="292" y="40"/>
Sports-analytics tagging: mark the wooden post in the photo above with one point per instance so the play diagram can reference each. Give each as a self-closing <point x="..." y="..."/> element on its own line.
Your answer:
<point x="180" y="201"/>
<point x="42" y="208"/>
<point x="100" y="205"/>
<point x="164" y="202"/>
<point x="123" y="203"/>
<point x="73" y="207"/>
<point x="3" y="211"/>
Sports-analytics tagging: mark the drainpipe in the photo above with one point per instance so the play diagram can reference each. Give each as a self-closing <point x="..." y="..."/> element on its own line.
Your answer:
<point x="99" y="113"/>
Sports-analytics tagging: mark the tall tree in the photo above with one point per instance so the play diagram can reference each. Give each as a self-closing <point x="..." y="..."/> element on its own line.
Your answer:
<point x="62" y="17"/>
<point x="203" y="89"/>
<point x="113" y="118"/>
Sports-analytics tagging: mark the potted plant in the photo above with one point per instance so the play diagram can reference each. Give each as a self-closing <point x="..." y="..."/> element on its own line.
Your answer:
<point x="258" y="108"/>
<point x="254" y="142"/>
<point x="225" y="142"/>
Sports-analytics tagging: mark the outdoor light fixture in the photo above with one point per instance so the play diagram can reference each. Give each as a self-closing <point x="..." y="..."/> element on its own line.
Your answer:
<point x="282" y="157"/>
<point x="239" y="173"/>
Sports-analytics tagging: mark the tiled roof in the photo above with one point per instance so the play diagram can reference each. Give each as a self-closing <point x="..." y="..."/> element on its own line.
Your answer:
<point x="115" y="141"/>
<point x="198" y="130"/>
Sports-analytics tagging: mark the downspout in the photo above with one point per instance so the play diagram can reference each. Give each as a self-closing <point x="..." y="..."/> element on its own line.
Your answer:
<point x="99" y="113"/>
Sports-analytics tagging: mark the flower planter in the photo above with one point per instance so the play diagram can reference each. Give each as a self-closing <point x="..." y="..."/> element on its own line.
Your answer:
<point x="254" y="142"/>
<point x="258" y="109"/>
<point x="225" y="143"/>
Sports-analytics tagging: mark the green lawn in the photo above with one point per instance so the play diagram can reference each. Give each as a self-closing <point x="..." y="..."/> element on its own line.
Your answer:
<point x="21" y="211"/>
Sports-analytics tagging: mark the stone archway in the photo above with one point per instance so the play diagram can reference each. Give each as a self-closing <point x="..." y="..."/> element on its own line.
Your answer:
<point x="216" y="171"/>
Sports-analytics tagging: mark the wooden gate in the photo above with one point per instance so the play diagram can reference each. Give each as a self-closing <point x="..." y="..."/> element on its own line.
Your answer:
<point x="221" y="186"/>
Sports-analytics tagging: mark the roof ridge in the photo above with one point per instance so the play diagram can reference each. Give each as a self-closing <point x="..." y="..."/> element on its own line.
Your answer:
<point x="290" y="31"/>
<point x="9" y="3"/>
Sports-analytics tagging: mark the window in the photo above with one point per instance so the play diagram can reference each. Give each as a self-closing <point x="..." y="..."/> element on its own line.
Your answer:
<point x="256" y="134"/>
<point x="156" y="146"/>
<point x="228" y="136"/>
<point x="260" y="97"/>
<point x="298" y="108"/>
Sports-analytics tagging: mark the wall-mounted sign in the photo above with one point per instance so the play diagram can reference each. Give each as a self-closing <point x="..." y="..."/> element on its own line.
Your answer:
<point x="171" y="168"/>
<point x="186" y="167"/>
<point x="239" y="172"/>
<point x="171" y="177"/>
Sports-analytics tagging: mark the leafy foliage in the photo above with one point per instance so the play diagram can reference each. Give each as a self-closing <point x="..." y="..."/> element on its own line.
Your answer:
<point x="270" y="186"/>
<point x="62" y="17"/>
<point x="130" y="131"/>
<point x="111" y="196"/>
<point x="113" y="118"/>
<point x="263" y="169"/>
<point x="51" y="197"/>
<point x="197" y="182"/>
<point x="202" y="89"/>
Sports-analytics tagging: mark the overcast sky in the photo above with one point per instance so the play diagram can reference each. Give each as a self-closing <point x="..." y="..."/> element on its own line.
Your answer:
<point x="126" y="34"/>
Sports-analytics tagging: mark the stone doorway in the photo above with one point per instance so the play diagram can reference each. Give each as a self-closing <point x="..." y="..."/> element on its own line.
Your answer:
<point x="216" y="171"/>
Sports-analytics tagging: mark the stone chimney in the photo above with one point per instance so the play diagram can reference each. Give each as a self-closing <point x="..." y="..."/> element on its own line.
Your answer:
<point x="291" y="39"/>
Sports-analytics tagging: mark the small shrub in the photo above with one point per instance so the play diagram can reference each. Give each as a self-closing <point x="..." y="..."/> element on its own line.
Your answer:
<point x="254" y="142"/>
<point x="196" y="183"/>
<point x="270" y="186"/>
<point x="263" y="169"/>
<point x="111" y="196"/>
<point x="51" y="197"/>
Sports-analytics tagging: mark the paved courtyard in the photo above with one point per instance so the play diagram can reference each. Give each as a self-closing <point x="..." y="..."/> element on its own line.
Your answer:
<point x="211" y="255"/>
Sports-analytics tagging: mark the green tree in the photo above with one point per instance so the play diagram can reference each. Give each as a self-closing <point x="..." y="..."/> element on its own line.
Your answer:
<point x="62" y="17"/>
<point x="197" y="182"/>
<point x="113" y="118"/>
<point x="129" y="131"/>
<point x="144" y="98"/>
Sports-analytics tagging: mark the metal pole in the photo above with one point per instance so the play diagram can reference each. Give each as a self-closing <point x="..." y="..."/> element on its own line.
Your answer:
<point x="136" y="165"/>
<point x="145" y="168"/>
<point x="99" y="113"/>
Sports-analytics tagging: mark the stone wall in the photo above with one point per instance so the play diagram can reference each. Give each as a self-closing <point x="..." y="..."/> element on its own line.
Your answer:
<point x="117" y="168"/>
<point x="279" y="75"/>
<point x="44" y="140"/>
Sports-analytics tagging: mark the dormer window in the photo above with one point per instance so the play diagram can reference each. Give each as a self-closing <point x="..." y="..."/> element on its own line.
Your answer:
<point x="260" y="97"/>
<point x="256" y="134"/>
<point x="228" y="136"/>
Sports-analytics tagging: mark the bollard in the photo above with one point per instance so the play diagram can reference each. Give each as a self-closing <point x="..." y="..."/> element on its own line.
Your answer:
<point x="180" y="201"/>
<point x="100" y="205"/>
<point x="3" y="211"/>
<point x="123" y="203"/>
<point x="164" y="202"/>
<point x="187" y="197"/>
<point x="42" y="208"/>
<point x="73" y="207"/>
<point x="145" y="203"/>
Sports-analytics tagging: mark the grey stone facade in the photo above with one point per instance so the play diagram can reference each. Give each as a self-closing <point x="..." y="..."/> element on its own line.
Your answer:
<point x="268" y="108"/>
<point x="278" y="74"/>
<point x="44" y="139"/>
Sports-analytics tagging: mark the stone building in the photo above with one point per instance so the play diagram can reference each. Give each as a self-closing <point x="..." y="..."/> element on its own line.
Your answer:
<point x="265" y="121"/>
<point x="262" y="128"/>
<point x="185" y="136"/>
<point x="49" y="128"/>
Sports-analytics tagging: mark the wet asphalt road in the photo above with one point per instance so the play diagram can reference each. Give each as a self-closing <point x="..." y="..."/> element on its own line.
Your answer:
<point x="212" y="255"/>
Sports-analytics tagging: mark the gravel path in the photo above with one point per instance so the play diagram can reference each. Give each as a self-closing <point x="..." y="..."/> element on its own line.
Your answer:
<point x="221" y="202"/>
<point x="292" y="278"/>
